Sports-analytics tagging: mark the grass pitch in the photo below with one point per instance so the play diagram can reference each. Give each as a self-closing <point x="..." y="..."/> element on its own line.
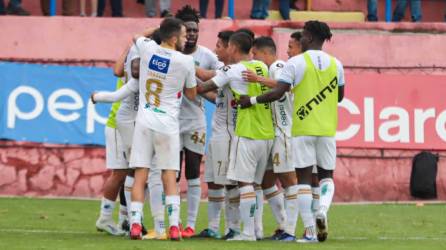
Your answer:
<point x="70" y="224"/>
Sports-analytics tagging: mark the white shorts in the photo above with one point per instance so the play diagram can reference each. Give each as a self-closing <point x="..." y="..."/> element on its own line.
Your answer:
<point x="217" y="161"/>
<point x="113" y="145"/>
<point x="126" y="130"/>
<point x="281" y="157"/>
<point x="194" y="140"/>
<point x="147" y="142"/>
<point x="248" y="159"/>
<point x="314" y="150"/>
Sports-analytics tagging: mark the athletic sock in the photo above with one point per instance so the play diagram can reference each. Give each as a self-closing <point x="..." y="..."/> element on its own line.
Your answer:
<point x="276" y="202"/>
<point x="247" y="209"/>
<point x="304" y="198"/>
<point x="215" y="205"/>
<point x="233" y="212"/>
<point x="327" y="191"/>
<point x="173" y="209"/>
<point x="107" y="207"/>
<point x="193" y="201"/>
<point x="157" y="206"/>
<point x="258" y="214"/>
<point x="136" y="212"/>
<point x="123" y="214"/>
<point x="316" y="194"/>
<point x="128" y="185"/>
<point x="292" y="209"/>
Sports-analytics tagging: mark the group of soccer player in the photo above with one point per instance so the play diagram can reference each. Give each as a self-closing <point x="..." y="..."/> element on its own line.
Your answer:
<point x="274" y="122"/>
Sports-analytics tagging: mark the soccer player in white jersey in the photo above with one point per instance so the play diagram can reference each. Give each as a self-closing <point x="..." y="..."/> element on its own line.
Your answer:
<point x="164" y="72"/>
<point x="254" y="128"/>
<point x="318" y="80"/>
<point x="192" y="118"/>
<point x="217" y="158"/>
<point x="280" y="162"/>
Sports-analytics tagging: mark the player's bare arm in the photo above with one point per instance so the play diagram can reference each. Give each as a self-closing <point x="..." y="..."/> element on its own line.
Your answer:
<point x="146" y="33"/>
<point x="211" y="96"/>
<point x="273" y="95"/>
<point x="118" y="69"/>
<point x="190" y="93"/>
<point x="206" y="87"/>
<point x="340" y="93"/>
<point x="204" y="74"/>
<point x="250" y="76"/>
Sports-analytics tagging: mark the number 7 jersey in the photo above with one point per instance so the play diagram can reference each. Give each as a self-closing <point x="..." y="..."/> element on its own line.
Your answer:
<point x="163" y="74"/>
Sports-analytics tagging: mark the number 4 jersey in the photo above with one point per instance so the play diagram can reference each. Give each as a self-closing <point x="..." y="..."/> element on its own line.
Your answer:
<point x="163" y="74"/>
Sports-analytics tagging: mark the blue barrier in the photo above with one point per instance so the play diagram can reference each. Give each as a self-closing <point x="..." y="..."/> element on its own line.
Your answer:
<point x="388" y="10"/>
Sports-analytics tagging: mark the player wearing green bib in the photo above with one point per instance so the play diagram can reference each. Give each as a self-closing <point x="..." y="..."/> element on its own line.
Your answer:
<point x="317" y="83"/>
<point x="254" y="128"/>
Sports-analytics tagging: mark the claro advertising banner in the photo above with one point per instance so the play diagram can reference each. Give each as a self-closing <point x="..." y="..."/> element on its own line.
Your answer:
<point x="393" y="111"/>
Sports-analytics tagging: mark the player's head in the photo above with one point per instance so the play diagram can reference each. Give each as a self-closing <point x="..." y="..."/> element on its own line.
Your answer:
<point x="314" y="35"/>
<point x="263" y="48"/>
<point x="191" y="18"/>
<point x="239" y="42"/>
<point x="156" y="36"/>
<point x="294" y="46"/>
<point x="173" y="32"/>
<point x="221" y="48"/>
<point x="246" y="31"/>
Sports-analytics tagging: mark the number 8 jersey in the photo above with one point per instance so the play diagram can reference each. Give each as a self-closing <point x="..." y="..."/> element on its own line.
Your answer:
<point x="163" y="74"/>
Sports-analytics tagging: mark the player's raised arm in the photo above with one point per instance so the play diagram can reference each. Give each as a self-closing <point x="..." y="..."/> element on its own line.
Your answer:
<point x="146" y="33"/>
<point x="118" y="95"/>
<point x="204" y="74"/>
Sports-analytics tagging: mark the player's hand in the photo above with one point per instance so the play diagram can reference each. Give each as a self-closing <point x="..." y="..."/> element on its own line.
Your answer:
<point x="250" y="76"/>
<point x="244" y="102"/>
<point x="92" y="97"/>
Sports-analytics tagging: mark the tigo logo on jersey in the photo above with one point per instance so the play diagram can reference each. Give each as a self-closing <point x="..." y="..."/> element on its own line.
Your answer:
<point x="159" y="64"/>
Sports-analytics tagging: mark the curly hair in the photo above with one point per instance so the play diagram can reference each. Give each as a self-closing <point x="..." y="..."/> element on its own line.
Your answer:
<point x="319" y="30"/>
<point x="188" y="14"/>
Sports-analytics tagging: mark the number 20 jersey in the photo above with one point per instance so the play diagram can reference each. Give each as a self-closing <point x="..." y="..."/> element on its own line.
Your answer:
<point x="163" y="74"/>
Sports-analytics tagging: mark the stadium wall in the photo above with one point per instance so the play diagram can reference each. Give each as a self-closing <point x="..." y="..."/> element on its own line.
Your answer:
<point x="362" y="174"/>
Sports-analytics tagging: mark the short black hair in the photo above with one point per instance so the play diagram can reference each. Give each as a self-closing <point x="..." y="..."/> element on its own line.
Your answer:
<point x="296" y="35"/>
<point x="242" y="40"/>
<point x="246" y="31"/>
<point x="170" y="27"/>
<point x="156" y="36"/>
<point x="225" y="35"/>
<point x="265" y="42"/>
<point x="188" y="14"/>
<point x="318" y="29"/>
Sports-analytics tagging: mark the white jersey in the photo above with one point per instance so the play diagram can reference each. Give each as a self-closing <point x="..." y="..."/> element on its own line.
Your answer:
<point x="163" y="74"/>
<point x="129" y="105"/>
<point x="282" y="108"/>
<point x="192" y="111"/>
<point x="232" y="75"/>
<point x="224" y="119"/>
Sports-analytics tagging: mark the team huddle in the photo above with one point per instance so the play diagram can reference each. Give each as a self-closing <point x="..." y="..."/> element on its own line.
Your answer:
<point x="274" y="122"/>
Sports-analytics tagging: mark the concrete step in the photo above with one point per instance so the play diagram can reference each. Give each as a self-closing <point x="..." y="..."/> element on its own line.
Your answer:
<point x="326" y="16"/>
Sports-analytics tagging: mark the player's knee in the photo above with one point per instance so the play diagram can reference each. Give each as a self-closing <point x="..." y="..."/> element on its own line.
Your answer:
<point x="323" y="173"/>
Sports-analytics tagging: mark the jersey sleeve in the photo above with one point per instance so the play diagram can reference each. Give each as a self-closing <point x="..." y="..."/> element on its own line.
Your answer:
<point x="143" y="44"/>
<point x="105" y="96"/>
<point x="277" y="71"/>
<point x="222" y="77"/>
<point x="133" y="53"/>
<point x="191" y="80"/>
<point x="341" y="77"/>
<point x="287" y="74"/>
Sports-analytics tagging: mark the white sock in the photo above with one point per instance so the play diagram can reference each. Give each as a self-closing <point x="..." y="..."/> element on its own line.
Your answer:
<point x="136" y="212"/>
<point x="276" y="202"/>
<point x="304" y="198"/>
<point x="157" y="206"/>
<point x="292" y="209"/>
<point x="128" y="184"/>
<point x="258" y="215"/>
<point x="316" y="194"/>
<point x="173" y="209"/>
<point x="226" y="209"/>
<point x="193" y="201"/>
<point x="215" y="205"/>
<point x="327" y="191"/>
<point x="247" y="209"/>
<point x="123" y="214"/>
<point x="107" y="207"/>
<point x="233" y="212"/>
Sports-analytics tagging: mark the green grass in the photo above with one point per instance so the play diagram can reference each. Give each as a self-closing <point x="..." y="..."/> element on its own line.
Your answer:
<point x="69" y="224"/>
